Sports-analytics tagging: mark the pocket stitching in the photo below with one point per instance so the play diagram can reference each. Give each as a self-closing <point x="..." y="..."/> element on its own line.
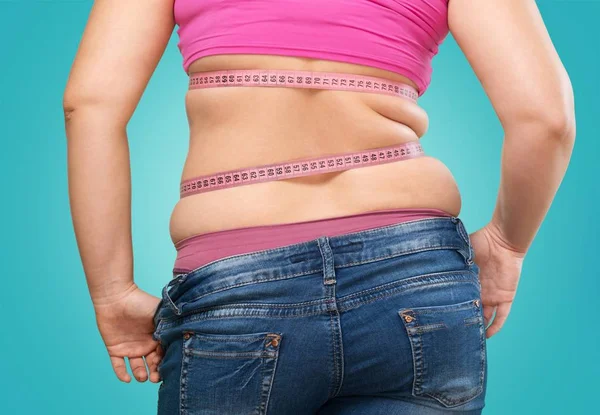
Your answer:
<point x="443" y="308"/>
<point x="231" y="338"/>
<point x="452" y="402"/>
<point x="265" y="381"/>
<point x="416" y="347"/>
<point x="266" y="393"/>
<point x="231" y="355"/>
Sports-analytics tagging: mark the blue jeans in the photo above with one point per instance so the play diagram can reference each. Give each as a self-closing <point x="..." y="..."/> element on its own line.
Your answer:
<point x="383" y="321"/>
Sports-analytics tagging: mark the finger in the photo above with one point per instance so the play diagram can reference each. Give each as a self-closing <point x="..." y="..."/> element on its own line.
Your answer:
<point x="488" y="313"/>
<point x="152" y="360"/>
<point x="502" y="311"/>
<point x="118" y="364"/>
<point x="138" y="368"/>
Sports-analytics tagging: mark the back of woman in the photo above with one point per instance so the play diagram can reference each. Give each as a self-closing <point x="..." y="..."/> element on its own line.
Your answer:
<point x="322" y="266"/>
<point x="238" y="127"/>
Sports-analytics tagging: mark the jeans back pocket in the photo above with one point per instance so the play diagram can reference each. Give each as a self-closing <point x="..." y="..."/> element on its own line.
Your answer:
<point x="228" y="373"/>
<point x="449" y="350"/>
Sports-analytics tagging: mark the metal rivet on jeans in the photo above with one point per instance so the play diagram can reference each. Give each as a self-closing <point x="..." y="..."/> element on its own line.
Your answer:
<point x="408" y="319"/>
<point x="274" y="340"/>
<point x="187" y="335"/>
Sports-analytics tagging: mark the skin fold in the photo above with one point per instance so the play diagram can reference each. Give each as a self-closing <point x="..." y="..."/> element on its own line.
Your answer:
<point x="506" y="44"/>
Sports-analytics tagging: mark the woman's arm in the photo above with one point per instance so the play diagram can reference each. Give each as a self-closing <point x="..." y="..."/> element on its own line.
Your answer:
<point x="120" y="48"/>
<point x="508" y="46"/>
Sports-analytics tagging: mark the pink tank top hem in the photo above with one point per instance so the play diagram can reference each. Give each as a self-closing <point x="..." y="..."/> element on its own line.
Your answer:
<point x="198" y="250"/>
<point x="402" y="36"/>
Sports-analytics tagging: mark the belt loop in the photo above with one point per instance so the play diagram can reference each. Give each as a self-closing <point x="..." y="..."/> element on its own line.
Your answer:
<point x="178" y="279"/>
<point x="327" y="255"/>
<point x="460" y="227"/>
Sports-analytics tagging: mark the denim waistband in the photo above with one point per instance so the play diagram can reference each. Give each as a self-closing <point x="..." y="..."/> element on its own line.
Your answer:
<point x="323" y="253"/>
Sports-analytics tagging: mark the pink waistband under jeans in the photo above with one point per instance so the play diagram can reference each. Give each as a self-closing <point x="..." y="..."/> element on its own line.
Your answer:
<point x="198" y="250"/>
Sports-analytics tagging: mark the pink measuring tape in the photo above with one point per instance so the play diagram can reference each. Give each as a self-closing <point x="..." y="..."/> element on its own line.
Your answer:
<point x="308" y="166"/>
<point x="300" y="168"/>
<point x="301" y="79"/>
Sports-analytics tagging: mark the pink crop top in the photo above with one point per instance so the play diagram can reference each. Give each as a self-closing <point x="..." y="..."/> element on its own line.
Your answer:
<point x="401" y="36"/>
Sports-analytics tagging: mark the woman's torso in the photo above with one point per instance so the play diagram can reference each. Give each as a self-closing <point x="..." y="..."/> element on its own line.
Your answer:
<point x="239" y="127"/>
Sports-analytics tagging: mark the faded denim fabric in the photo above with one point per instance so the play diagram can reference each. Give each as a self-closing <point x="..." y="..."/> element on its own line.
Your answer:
<point x="382" y="321"/>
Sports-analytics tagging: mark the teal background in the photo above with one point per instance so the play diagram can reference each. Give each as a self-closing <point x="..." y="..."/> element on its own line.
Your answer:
<point x="53" y="359"/>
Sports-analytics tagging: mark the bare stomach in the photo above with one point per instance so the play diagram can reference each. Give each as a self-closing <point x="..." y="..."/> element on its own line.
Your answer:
<point x="236" y="127"/>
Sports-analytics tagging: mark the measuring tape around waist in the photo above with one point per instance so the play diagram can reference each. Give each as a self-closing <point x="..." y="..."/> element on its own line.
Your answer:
<point x="301" y="79"/>
<point x="301" y="167"/>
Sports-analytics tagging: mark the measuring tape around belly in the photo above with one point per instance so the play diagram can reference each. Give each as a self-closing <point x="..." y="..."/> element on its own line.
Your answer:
<point x="301" y="79"/>
<point x="301" y="167"/>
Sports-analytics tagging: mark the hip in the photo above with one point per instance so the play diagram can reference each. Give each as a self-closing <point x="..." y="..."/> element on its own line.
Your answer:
<point x="391" y="312"/>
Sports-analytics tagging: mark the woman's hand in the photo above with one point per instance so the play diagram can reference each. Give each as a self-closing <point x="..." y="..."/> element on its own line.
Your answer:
<point x="499" y="272"/>
<point x="126" y="326"/>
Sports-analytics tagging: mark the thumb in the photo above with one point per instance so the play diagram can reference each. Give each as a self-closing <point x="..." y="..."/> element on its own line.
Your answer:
<point x="488" y="313"/>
